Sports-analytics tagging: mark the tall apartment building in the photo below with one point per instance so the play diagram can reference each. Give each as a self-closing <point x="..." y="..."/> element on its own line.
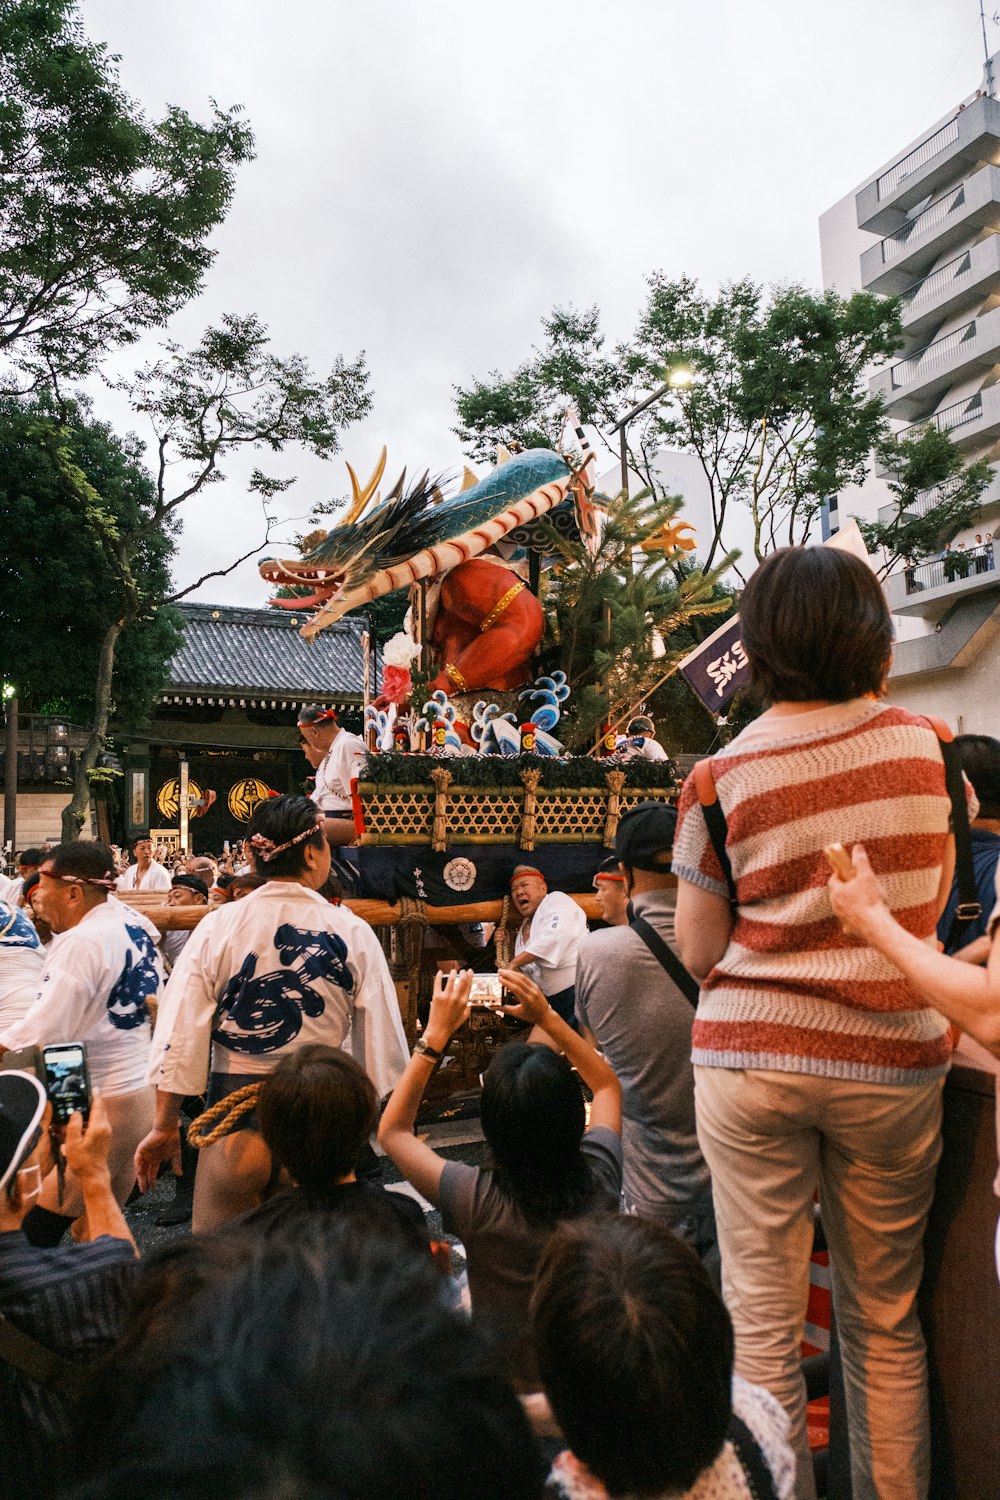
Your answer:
<point x="926" y="227"/>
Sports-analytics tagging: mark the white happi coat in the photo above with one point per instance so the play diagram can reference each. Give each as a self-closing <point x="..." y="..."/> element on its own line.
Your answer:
<point x="270" y="973"/>
<point x="335" y="773"/>
<point x="94" y="989"/>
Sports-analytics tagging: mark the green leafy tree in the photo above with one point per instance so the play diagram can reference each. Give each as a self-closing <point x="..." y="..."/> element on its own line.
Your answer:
<point x="230" y="394"/>
<point x="69" y="490"/>
<point x="620" y="618"/>
<point x="775" y="405"/>
<point x="934" y="495"/>
<point x="105" y="215"/>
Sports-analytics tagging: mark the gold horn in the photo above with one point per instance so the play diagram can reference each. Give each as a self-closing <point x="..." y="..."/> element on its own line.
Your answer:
<point x="469" y="478"/>
<point x="362" y="496"/>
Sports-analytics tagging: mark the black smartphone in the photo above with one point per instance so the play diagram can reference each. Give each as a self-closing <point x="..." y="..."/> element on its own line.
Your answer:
<point x="67" y="1080"/>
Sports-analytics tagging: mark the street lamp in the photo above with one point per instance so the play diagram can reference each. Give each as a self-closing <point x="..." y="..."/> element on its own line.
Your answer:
<point x="679" y="378"/>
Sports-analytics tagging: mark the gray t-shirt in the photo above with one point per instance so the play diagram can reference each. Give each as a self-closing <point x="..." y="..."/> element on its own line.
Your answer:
<point x="642" y="1023"/>
<point x="503" y="1249"/>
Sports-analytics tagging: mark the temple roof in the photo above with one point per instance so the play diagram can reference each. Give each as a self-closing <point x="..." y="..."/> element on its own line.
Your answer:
<point x="256" y="658"/>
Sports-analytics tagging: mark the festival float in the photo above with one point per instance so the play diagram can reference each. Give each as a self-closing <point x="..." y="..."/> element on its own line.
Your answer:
<point x="466" y="772"/>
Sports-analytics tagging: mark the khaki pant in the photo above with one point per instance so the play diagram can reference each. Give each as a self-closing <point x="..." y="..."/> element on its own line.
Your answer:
<point x="770" y="1139"/>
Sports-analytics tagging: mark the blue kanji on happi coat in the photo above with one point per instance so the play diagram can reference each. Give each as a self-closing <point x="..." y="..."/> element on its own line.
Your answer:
<point x="138" y="980"/>
<point x="15" y="929"/>
<point x="262" y="1012"/>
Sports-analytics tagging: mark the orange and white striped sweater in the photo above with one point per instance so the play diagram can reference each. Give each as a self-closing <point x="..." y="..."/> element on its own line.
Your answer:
<point x="792" y="993"/>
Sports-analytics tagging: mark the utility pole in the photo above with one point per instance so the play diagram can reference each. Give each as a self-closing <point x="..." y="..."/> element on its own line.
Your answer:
<point x="10" y="776"/>
<point x="986" y="52"/>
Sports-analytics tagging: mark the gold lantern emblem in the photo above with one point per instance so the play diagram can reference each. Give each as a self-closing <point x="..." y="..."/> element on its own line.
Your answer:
<point x="168" y="798"/>
<point x="245" y="795"/>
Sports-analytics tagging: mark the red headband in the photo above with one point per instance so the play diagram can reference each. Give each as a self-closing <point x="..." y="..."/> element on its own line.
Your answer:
<point x="525" y="872"/>
<point x="328" y="713"/>
<point x="607" y="875"/>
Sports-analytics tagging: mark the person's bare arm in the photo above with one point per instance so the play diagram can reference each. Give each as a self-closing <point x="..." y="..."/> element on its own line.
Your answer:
<point x="523" y="959"/>
<point x="163" y="1143"/>
<point x="703" y="925"/>
<point x="597" y="1074"/>
<point x="419" y="1163"/>
<point x="86" y="1152"/>
<point x="967" y="995"/>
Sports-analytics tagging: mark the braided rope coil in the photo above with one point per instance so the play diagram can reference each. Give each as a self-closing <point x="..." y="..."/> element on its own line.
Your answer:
<point x="221" y="1119"/>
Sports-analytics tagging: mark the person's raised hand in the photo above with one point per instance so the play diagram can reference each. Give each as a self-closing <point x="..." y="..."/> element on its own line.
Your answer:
<point x="859" y="903"/>
<point x="449" y="1007"/>
<point x="152" y="1151"/>
<point x="86" y="1147"/>
<point x="529" y="1003"/>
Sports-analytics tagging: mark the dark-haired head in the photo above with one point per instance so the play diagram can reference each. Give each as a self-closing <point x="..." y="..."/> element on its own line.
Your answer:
<point x="815" y="625"/>
<point x="318" y="1364"/>
<point x="280" y="830"/>
<point x="84" y="858"/>
<point x="636" y="1353"/>
<point x="980" y="755"/>
<point x="533" y="1118"/>
<point x="316" y="1110"/>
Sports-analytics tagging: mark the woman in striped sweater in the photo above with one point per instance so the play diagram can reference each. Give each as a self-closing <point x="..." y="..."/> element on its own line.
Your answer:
<point x="817" y="1065"/>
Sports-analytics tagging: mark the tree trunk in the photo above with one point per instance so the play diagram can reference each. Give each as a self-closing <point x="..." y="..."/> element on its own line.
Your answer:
<point x="75" y="814"/>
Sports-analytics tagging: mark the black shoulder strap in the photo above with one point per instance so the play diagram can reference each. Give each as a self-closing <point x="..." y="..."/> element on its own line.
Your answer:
<point x="969" y="905"/>
<point x="44" y="1365"/>
<point x="665" y="958"/>
<point x="715" y="821"/>
<point x="758" y="1476"/>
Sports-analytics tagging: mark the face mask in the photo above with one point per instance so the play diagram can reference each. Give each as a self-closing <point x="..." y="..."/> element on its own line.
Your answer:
<point x="28" y="1194"/>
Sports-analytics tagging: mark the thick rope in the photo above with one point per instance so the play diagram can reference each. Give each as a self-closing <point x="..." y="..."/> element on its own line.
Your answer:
<point x="227" y="1112"/>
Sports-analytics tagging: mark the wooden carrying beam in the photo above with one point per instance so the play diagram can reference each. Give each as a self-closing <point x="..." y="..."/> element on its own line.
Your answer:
<point x="375" y="913"/>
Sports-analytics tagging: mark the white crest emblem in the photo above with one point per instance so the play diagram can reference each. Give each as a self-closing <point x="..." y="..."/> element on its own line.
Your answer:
<point x="459" y="874"/>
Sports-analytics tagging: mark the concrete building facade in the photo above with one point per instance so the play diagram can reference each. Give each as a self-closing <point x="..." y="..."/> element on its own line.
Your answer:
<point x="926" y="227"/>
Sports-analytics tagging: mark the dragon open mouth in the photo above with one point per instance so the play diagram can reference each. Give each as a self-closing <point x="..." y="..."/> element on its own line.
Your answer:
<point x="323" y="585"/>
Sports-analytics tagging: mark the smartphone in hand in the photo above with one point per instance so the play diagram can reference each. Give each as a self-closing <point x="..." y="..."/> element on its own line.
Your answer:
<point x="67" y="1080"/>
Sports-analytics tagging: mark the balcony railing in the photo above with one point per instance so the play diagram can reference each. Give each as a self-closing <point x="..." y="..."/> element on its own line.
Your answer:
<point x="950" y="567"/>
<point x="923" y="291"/>
<point x="890" y="181"/>
<point x="935" y="213"/>
<point x="970" y="409"/>
<point x="931" y="355"/>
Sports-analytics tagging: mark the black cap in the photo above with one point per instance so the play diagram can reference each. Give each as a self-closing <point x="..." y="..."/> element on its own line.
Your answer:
<point x="192" y="883"/>
<point x="22" y="1104"/>
<point x="645" y="837"/>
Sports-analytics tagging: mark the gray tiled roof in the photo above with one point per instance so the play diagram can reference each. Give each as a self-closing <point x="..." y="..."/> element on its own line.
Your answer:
<point x="259" y="653"/>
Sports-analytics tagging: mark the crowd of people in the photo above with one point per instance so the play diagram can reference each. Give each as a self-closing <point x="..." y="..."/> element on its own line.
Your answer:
<point x="677" y="1088"/>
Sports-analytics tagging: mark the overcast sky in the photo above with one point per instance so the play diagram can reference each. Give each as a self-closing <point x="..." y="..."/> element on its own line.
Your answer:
<point x="432" y="176"/>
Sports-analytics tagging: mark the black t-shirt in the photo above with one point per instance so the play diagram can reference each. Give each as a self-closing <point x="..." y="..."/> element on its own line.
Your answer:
<point x="364" y="1204"/>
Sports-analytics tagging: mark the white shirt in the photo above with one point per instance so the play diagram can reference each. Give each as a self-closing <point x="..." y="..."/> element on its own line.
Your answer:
<point x="156" y="878"/>
<point x="272" y="972"/>
<point x="97" y="979"/>
<point x="642" y="747"/>
<point x="10" y="889"/>
<point x="21" y="964"/>
<point x="557" y="929"/>
<point x="336" y="771"/>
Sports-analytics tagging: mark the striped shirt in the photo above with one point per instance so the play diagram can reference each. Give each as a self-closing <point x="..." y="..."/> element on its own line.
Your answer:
<point x="70" y="1298"/>
<point x="792" y="992"/>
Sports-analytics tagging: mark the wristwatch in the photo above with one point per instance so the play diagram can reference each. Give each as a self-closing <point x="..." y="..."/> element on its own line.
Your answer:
<point x="426" y="1050"/>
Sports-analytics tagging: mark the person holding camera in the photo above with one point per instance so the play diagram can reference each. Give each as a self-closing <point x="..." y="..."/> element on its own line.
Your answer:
<point x="100" y="971"/>
<point x="59" y="1307"/>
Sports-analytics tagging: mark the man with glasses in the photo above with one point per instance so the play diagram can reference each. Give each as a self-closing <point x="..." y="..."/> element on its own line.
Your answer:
<point x="62" y="1307"/>
<point x="100" y="971"/>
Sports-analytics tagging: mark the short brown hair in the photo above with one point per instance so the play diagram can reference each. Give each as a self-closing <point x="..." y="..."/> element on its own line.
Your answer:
<point x="316" y="1111"/>
<point x="814" y="624"/>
